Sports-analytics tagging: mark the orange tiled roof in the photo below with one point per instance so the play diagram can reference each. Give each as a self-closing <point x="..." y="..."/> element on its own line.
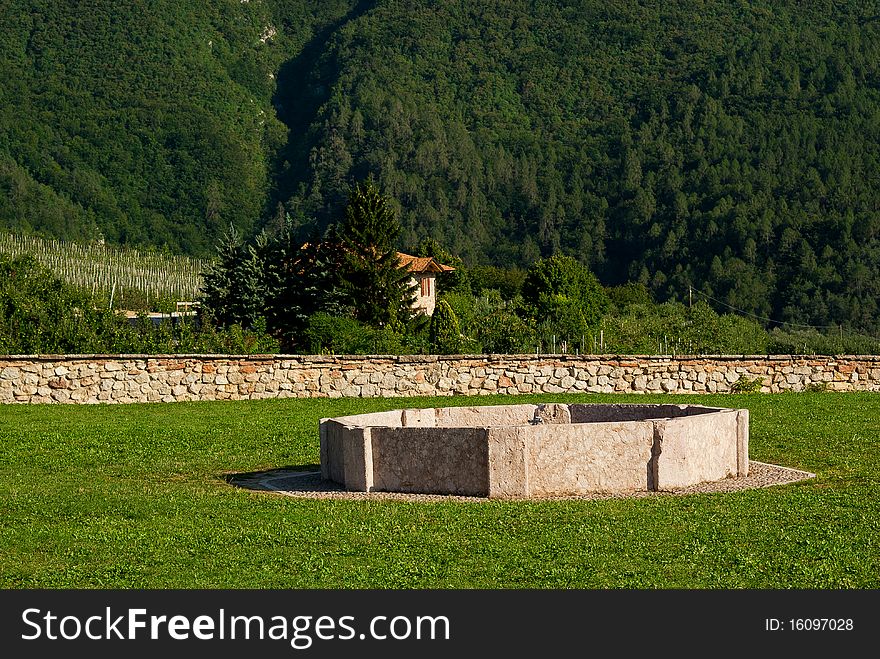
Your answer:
<point x="422" y="263"/>
<point x="416" y="263"/>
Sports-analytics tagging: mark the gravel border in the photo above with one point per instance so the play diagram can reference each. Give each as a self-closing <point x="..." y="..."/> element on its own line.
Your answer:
<point x="310" y="485"/>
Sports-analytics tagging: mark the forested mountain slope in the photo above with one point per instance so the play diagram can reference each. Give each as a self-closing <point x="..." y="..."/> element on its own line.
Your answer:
<point x="147" y="123"/>
<point x="734" y="146"/>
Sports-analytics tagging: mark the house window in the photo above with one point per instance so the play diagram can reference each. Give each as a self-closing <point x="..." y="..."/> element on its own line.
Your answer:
<point x="426" y="286"/>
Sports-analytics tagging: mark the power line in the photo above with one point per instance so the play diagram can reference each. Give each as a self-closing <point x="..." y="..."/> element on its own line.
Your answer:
<point x="757" y="317"/>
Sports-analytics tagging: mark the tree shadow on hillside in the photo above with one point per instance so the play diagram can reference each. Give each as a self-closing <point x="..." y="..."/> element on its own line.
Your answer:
<point x="303" y="86"/>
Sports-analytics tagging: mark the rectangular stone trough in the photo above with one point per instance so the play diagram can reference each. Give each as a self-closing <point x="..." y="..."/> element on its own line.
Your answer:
<point x="523" y="451"/>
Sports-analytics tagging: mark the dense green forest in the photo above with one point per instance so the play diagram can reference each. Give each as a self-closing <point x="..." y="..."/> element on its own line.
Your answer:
<point x="729" y="145"/>
<point x="142" y="123"/>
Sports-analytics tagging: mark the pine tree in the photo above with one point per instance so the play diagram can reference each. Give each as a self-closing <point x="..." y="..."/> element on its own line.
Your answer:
<point x="304" y="279"/>
<point x="234" y="285"/>
<point x="377" y="288"/>
<point x="444" y="332"/>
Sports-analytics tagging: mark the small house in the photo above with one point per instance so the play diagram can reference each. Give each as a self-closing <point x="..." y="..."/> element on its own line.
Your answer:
<point x="423" y="271"/>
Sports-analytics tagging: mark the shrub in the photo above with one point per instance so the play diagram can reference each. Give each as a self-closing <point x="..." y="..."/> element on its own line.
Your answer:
<point x="326" y="334"/>
<point x="503" y="332"/>
<point x="811" y="342"/>
<point x="746" y="386"/>
<point x="565" y="293"/>
<point x="445" y="332"/>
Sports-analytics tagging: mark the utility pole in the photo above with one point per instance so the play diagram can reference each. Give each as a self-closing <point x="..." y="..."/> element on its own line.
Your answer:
<point x="690" y="296"/>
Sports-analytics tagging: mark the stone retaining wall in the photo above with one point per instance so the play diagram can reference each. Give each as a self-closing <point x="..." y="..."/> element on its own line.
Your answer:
<point x="169" y="378"/>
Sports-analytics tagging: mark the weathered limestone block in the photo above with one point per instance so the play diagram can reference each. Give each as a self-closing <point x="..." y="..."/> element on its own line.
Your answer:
<point x="742" y="442"/>
<point x="594" y="457"/>
<point x="10" y="373"/>
<point x="696" y="449"/>
<point x="508" y="467"/>
<point x="414" y="460"/>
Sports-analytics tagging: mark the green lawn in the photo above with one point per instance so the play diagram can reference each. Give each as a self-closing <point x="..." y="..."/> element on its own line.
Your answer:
<point x="134" y="496"/>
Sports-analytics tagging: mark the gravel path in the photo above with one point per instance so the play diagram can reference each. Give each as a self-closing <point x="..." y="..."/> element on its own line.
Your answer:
<point x="308" y="484"/>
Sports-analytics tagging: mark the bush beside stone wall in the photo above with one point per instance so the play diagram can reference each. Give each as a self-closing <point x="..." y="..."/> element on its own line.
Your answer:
<point x="170" y="378"/>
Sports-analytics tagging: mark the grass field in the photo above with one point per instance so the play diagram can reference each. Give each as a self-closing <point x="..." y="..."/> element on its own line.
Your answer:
<point x="135" y="496"/>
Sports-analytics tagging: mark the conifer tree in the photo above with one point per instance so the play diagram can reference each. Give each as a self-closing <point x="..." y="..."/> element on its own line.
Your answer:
<point x="234" y="286"/>
<point x="444" y="332"/>
<point x="377" y="288"/>
<point x="303" y="279"/>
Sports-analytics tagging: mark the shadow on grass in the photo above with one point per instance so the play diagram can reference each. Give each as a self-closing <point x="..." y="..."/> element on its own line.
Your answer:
<point x="305" y="477"/>
<point x="306" y="480"/>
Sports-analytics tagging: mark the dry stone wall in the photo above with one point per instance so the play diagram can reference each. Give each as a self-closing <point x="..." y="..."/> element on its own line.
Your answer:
<point x="169" y="378"/>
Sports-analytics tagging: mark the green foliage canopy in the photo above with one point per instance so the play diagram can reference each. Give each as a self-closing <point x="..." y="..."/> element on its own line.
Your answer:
<point x="562" y="291"/>
<point x="726" y="146"/>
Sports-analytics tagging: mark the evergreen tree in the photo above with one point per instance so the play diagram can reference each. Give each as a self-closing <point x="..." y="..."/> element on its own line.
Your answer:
<point x="303" y="280"/>
<point x="444" y="332"/>
<point x="376" y="287"/>
<point x="234" y="285"/>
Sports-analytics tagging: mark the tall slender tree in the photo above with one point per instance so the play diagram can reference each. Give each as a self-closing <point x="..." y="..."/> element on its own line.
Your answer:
<point x="379" y="290"/>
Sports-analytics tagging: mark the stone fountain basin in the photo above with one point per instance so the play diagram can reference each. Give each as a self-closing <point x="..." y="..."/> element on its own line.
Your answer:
<point x="526" y="451"/>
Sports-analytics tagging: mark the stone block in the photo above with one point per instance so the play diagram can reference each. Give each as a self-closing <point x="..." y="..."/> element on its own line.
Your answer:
<point x="485" y="416"/>
<point x="695" y="449"/>
<point x="417" y="460"/>
<point x="742" y="442"/>
<point x="419" y="418"/>
<point x="552" y="413"/>
<point x="590" y="457"/>
<point x="508" y="468"/>
<point x="10" y="373"/>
